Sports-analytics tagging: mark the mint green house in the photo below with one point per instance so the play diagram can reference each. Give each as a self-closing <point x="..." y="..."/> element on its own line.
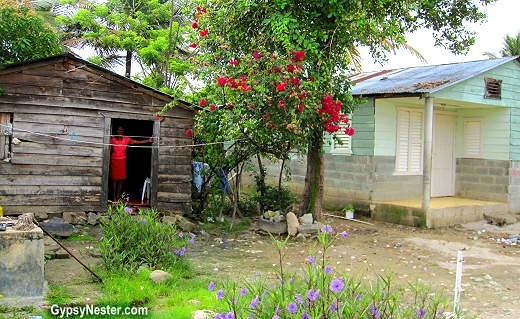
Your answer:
<point x="434" y="146"/>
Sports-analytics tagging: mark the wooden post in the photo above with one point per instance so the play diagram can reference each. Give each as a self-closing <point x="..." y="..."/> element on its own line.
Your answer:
<point x="458" y="282"/>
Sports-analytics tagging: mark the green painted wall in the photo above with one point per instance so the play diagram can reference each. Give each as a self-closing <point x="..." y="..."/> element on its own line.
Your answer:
<point x="363" y="121"/>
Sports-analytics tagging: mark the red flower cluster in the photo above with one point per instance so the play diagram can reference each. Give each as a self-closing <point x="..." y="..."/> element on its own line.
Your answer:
<point x="203" y="102"/>
<point x="280" y="87"/>
<point x="189" y="132"/>
<point x="193" y="45"/>
<point x="233" y="62"/>
<point x="257" y="55"/>
<point x="298" y="55"/>
<point x="212" y="107"/>
<point x="331" y="113"/>
<point x="203" y="32"/>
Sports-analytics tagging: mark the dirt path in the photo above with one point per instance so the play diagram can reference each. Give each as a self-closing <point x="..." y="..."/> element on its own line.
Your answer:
<point x="491" y="273"/>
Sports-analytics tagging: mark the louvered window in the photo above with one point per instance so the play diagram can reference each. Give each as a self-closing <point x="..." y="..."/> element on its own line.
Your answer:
<point x="6" y="132"/>
<point x="473" y="145"/>
<point x="410" y="141"/>
<point x="342" y="143"/>
<point x="493" y="88"/>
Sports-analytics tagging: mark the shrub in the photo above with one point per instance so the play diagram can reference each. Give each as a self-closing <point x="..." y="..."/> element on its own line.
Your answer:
<point x="131" y="238"/>
<point x="323" y="292"/>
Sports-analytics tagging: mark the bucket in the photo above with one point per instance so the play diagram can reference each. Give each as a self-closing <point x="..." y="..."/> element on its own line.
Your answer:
<point x="349" y="214"/>
<point x="1" y="211"/>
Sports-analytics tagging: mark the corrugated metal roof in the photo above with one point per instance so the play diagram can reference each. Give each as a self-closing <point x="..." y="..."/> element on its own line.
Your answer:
<point x="422" y="79"/>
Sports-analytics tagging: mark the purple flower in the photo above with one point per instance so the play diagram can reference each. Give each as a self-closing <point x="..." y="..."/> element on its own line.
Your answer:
<point x="421" y="312"/>
<point x="230" y="315"/>
<point x="439" y="313"/>
<point x="292" y="308"/>
<point x="332" y="308"/>
<point x="375" y="313"/>
<point x="337" y="285"/>
<point x="344" y="234"/>
<point x="211" y="286"/>
<point x="327" y="229"/>
<point x="291" y="280"/>
<point x="191" y="241"/>
<point x="254" y="302"/>
<point x="313" y="295"/>
<point x="220" y="294"/>
<point x="310" y="260"/>
<point x="306" y="316"/>
<point x="181" y="235"/>
<point x="128" y="210"/>
<point x="176" y="251"/>
<point x="276" y="317"/>
<point x="358" y="296"/>
<point x="181" y="252"/>
<point x="328" y="269"/>
<point x="243" y="292"/>
<point x="299" y="298"/>
<point x="127" y="199"/>
<point x="221" y="316"/>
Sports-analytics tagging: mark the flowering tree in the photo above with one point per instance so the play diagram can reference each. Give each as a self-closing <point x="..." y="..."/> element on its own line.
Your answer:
<point x="277" y="71"/>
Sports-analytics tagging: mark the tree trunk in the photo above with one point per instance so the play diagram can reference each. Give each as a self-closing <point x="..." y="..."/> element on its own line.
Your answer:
<point x="128" y="63"/>
<point x="314" y="178"/>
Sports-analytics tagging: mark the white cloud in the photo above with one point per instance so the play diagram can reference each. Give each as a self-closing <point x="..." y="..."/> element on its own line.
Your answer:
<point x="502" y="20"/>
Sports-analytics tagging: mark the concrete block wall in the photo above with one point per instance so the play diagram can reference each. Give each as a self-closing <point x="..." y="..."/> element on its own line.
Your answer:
<point x="482" y="179"/>
<point x="514" y="187"/>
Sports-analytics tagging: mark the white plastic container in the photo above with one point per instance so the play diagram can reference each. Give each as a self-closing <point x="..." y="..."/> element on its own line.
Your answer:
<point x="349" y="214"/>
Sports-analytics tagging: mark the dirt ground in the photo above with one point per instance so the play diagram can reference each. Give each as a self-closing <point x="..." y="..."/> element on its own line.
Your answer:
<point x="491" y="272"/>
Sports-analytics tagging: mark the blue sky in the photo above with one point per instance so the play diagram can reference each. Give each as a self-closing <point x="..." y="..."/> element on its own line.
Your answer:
<point x="502" y="20"/>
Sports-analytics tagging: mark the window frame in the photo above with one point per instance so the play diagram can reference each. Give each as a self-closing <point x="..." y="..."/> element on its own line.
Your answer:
<point x="6" y="134"/>
<point x="465" y="153"/>
<point x="399" y="132"/>
<point x="342" y="149"/>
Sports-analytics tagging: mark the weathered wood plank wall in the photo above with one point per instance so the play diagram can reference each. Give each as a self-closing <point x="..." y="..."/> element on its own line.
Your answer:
<point x="61" y="107"/>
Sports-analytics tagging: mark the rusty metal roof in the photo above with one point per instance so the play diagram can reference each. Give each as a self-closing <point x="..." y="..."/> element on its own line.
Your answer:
<point x="422" y="79"/>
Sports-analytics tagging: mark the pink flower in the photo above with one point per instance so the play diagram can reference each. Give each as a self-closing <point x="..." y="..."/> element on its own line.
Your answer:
<point x="195" y="25"/>
<point x="257" y="55"/>
<point x="203" y="102"/>
<point x="221" y="81"/>
<point x="193" y="45"/>
<point x="212" y="107"/>
<point x="233" y="62"/>
<point x="189" y="132"/>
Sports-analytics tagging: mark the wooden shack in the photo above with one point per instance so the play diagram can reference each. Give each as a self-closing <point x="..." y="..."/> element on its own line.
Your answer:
<point x="57" y="117"/>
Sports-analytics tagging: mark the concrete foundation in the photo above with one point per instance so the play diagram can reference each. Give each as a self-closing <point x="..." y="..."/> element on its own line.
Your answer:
<point x="21" y="267"/>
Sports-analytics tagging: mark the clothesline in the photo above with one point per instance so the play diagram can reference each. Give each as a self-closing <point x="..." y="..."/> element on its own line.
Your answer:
<point x="73" y="139"/>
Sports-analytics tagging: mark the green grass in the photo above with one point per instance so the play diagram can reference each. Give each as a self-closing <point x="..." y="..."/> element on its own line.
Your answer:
<point x="80" y="236"/>
<point x="223" y="227"/>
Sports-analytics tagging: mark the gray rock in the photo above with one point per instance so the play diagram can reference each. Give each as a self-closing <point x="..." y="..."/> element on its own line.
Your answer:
<point x="277" y="218"/>
<point x="93" y="218"/>
<point x="41" y="216"/>
<point x="170" y="220"/>
<point x="300" y="238"/>
<point x="292" y="224"/>
<point x="75" y="218"/>
<point x="309" y="229"/>
<point x="58" y="227"/>
<point x="203" y="314"/>
<point x="306" y="219"/>
<point x="159" y="276"/>
<point x="185" y="225"/>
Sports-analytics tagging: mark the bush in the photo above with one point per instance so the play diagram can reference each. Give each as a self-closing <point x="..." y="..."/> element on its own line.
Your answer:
<point x="323" y="292"/>
<point x="131" y="238"/>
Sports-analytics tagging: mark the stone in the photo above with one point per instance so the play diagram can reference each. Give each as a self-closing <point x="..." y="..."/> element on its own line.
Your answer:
<point x="169" y="220"/>
<point x="57" y="226"/>
<point x="41" y="216"/>
<point x="278" y="218"/>
<point x="75" y="218"/>
<point x="306" y="219"/>
<point x="185" y="225"/>
<point x="61" y="254"/>
<point x="93" y="218"/>
<point x="203" y="314"/>
<point x="159" y="276"/>
<point x="292" y="224"/>
<point x="21" y="267"/>
<point x="309" y="229"/>
<point x="300" y="238"/>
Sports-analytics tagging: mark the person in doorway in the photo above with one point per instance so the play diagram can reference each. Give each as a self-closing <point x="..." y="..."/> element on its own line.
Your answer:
<point x="118" y="160"/>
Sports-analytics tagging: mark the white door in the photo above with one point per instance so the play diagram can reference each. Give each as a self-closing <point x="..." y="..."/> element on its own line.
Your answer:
<point x="443" y="162"/>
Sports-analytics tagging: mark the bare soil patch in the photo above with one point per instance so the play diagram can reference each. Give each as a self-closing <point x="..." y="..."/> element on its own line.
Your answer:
<point x="491" y="273"/>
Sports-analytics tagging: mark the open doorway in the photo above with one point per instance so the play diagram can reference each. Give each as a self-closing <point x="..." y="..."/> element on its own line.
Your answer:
<point x="138" y="159"/>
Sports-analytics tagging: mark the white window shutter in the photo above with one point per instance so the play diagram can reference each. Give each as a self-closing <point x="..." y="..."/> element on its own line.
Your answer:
<point x="473" y="138"/>
<point x="409" y="141"/>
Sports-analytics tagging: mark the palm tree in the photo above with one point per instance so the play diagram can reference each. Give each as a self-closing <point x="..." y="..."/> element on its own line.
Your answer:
<point x="510" y="47"/>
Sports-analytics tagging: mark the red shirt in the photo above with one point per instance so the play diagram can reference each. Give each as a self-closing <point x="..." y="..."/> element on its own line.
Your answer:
<point x="119" y="147"/>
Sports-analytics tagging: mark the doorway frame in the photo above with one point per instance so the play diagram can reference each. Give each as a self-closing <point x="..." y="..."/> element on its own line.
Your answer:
<point x="107" y="129"/>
